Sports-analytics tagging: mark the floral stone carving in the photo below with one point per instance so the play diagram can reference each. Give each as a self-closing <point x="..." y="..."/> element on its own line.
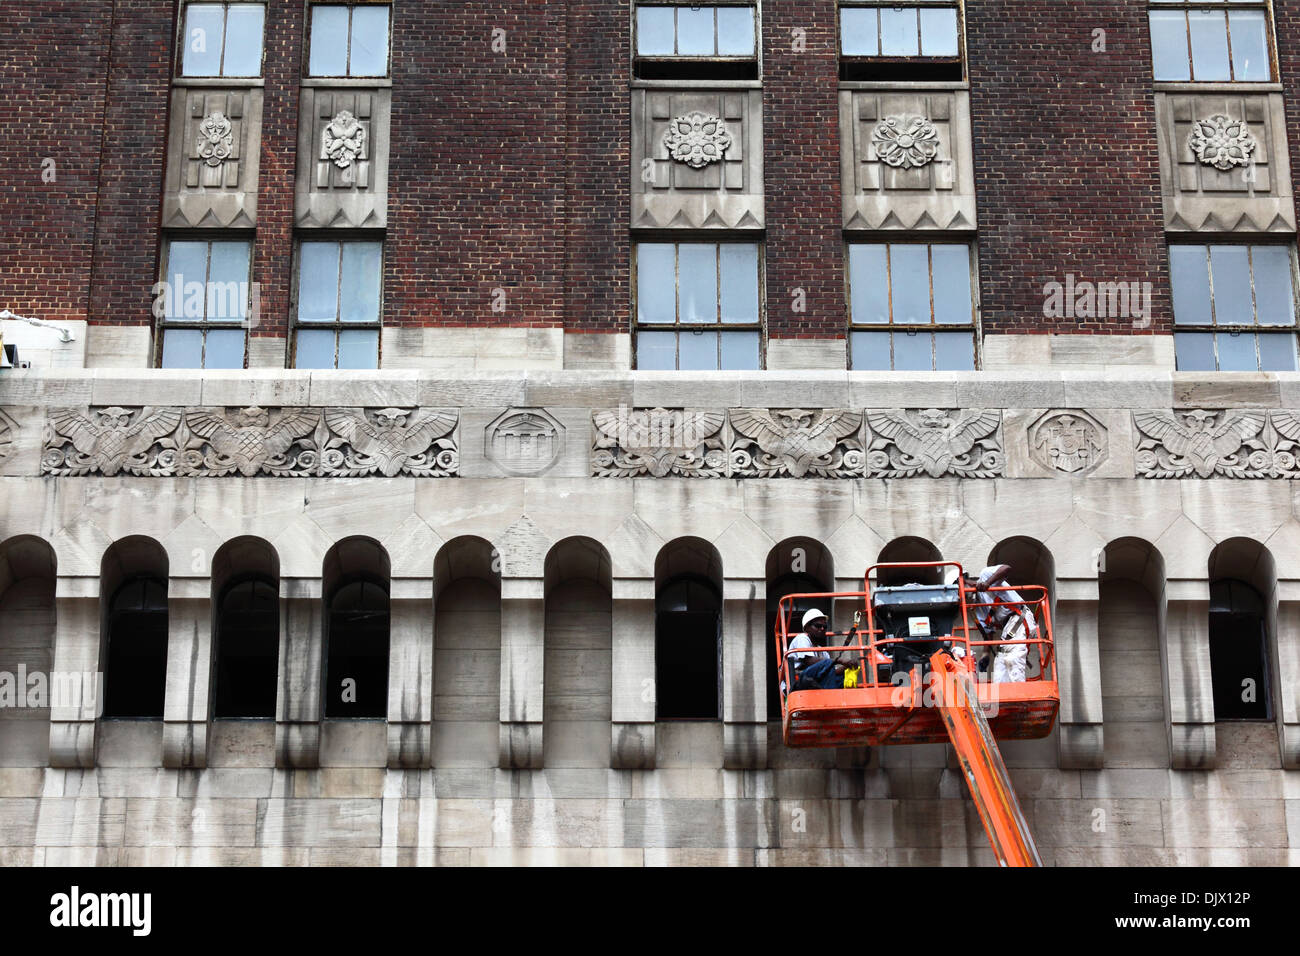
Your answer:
<point x="658" y="442"/>
<point x="1218" y="442"/>
<point x="1069" y="441"/>
<point x="797" y="442"/>
<point x="1222" y="142"/>
<point x="216" y="139"/>
<point x="906" y="142"/>
<point x="344" y="140"/>
<point x="697" y="139"/>
<point x="934" y="441"/>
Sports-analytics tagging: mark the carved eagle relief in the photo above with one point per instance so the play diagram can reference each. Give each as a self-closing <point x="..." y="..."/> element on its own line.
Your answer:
<point x="1202" y="441"/>
<point x="937" y="440"/>
<point x="395" y="437"/>
<point x="797" y="438"/>
<point x="659" y="442"/>
<point x="248" y="440"/>
<point x="113" y="439"/>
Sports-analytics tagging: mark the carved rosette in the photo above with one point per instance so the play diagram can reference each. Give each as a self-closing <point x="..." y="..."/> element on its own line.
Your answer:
<point x="697" y="139"/>
<point x="906" y="142"/>
<point x="796" y="443"/>
<point x="1070" y="441"/>
<point x="216" y="139"/>
<point x="1222" y="142"/>
<point x="658" y="442"/>
<point x="1225" y="443"/>
<point x="343" y="140"/>
<point x="938" y="442"/>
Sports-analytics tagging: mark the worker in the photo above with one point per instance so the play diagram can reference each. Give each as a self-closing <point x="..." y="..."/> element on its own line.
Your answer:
<point x="1003" y="616"/>
<point x="814" y="669"/>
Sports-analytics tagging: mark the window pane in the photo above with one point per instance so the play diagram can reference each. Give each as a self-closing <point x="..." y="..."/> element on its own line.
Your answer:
<point x="1230" y="272"/>
<point x="909" y="274"/>
<point x="1236" y="352"/>
<point x="656" y="350"/>
<point x="695" y="31"/>
<point x="654" y="31"/>
<point x="369" y="41"/>
<point x="1194" y="351"/>
<point x="954" y="351"/>
<point x="697" y="282"/>
<point x="870" y="351"/>
<point x="655" y="283"/>
<point x="898" y="32"/>
<point x="912" y="352"/>
<point x="859" y="32"/>
<point x="952" y="283"/>
<point x="1249" y="45"/>
<point x="1209" y="44"/>
<point x="225" y="349"/>
<point x="318" y="282"/>
<point x="228" y="283"/>
<point x="939" y="32"/>
<point x="359" y="348"/>
<point x="1277" y="352"/>
<point x="740" y="351"/>
<point x="698" y="351"/>
<point x="203" y="39"/>
<point x="187" y="273"/>
<point x="735" y="31"/>
<point x="739" y="264"/>
<point x="868" y="284"/>
<point x="1190" y="275"/>
<point x="244" y="40"/>
<point x="315" y="349"/>
<point x="1274" y="304"/>
<point x="182" y="348"/>
<point x="329" y="41"/>
<point x="359" y="290"/>
<point x="1169" y="45"/>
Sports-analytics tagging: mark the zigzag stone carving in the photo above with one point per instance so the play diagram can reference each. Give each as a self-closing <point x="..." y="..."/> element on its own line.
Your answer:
<point x="1225" y="443"/>
<point x="214" y="442"/>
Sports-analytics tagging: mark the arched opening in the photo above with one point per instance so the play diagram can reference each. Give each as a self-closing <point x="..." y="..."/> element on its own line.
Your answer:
<point x="466" y="654"/>
<point x="27" y="580"/>
<point x="795" y="566"/>
<point x="688" y="631"/>
<point x="355" y="584"/>
<point x="908" y="550"/>
<point x="1031" y="564"/>
<point x="133" y="583"/>
<point x="246" y="614"/>
<point x="1242" y="587"/>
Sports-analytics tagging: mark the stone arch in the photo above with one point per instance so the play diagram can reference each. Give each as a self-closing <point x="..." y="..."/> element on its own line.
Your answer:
<point x="795" y="565"/>
<point x="356" y="580"/>
<point x="909" y="549"/>
<point x="688" y="630"/>
<point x="134" y="627"/>
<point x="1242" y="572"/>
<point x="245" y="628"/>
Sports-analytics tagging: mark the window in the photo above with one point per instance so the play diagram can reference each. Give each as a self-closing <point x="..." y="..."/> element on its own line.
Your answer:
<point x="688" y="636"/>
<point x="356" y="678"/>
<point x="1238" y="652"/>
<point x="911" y="306"/>
<point x="1211" y="41"/>
<point x="696" y="42"/>
<point x="1225" y="297"/>
<point x="917" y="41"/>
<point x="248" y="649"/>
<point x="222" y="39"/>
<point x="349" y="40"/>
<point x="203" y="303"/>
<point x="135" y="672"/>
<point x="698" y="305"/>
<point x="338" y="305"/>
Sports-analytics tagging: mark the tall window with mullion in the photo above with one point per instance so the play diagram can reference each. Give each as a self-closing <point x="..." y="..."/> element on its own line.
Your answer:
<point x="338" y="304"/>
<point x="1211" y="41"/>
<point x="698" y="306"/>
<point x="1234" y="307"/>
<point x="676" y="41"/>
<point x="222" y="39"/>
<point x="203" y="303"/>
<point x="888" y="41"/>
<point x="348" y="40"/>
<point x="911" y="307"/>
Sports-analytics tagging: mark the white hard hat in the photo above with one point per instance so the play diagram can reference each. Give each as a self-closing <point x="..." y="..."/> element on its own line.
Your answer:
<point x="811" y="615"/>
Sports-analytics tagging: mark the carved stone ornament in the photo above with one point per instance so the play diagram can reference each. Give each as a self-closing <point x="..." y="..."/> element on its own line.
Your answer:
<point x="796" y="442"/>
<point x="216" y="139"/>
<point x="1218" y="443"/>
<point x="658" y="442"/>
<point x="344" y="140"/>
<point x="907" y="142"/>
<point x="697" y="139"/>
<point x="524" y="441"/>
<point x="213" y="442"/>
<point x="936" y="442"/>
<point x="1222" y="142"/>
<point x="1071" y="442"/>
<point x="8" y="429"/>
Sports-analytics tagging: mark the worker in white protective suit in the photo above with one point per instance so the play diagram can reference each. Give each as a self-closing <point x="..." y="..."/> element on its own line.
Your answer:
<point x="1002" y="615"/>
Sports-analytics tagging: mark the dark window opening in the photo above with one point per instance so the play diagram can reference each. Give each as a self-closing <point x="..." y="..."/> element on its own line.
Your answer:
<point x="688" y="647"/>
<point x="678" y="69"/>
<point x="787" y="584"/>
<point x="248" y="649"/>
<point x="356" y="675"/>
<point x="1238" y="652"/>
<point x="135" y="673"/>
<point x="909" y="70"/>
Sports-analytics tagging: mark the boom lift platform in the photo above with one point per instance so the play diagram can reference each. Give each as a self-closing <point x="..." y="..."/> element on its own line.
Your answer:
<point x="918" y="681"/>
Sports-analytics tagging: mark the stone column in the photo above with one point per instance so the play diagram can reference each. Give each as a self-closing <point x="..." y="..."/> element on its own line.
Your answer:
<point x="189" y="665"/>
<point x="1081" y="742"/>
<point x="410" y="673"/>
<point x="1189" y="690"/>
<point x="76" y="683"/>
<point x="632" y="728"/>
<point x="300" y="669"/>
<point x="523" y="661"/>
<point x="1286" y="637"/>
<point x="744" y="695"/>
